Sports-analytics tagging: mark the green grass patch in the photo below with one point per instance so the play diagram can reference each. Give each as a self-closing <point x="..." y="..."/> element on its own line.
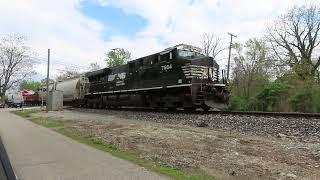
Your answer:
<point x="59" y="126"/>
<point x="49" y="123"/>
<point x="26" y="114"/>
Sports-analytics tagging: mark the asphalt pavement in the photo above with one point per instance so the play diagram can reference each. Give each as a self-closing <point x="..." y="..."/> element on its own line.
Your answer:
<point x="38" y="153"/>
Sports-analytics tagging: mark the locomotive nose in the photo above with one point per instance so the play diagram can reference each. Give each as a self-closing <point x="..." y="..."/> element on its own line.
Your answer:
<point x="203" y="61"/>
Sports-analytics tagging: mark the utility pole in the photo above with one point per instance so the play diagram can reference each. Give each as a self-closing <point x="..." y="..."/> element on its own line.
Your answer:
<point x="228" y="70"/>
<point x="47" y="98"/>
<point x="41" y="97"/>
<point x="1" y="100"/>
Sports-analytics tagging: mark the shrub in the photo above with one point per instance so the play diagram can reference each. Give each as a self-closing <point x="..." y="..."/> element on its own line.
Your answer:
<point x="307" y="100"/>
<point x="273" y="97"/>
<point x="238" y="103"/>
<point x="316" y="99"/>
<point x="302" y="102"/>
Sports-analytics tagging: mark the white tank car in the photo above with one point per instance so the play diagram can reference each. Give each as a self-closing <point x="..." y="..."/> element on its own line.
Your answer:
<point x="73" y="89"/>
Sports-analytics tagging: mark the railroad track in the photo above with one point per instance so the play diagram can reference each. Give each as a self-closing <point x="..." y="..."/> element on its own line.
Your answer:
<point x="269" y="114"/>
<point x="238" y="113"/>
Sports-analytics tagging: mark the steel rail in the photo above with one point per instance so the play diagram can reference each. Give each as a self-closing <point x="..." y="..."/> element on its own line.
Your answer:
<point x="268" y="114"/>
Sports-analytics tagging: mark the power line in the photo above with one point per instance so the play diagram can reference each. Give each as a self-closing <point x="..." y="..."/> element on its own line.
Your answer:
<point x="61" y="58"/>
<point x="57" y="62"/>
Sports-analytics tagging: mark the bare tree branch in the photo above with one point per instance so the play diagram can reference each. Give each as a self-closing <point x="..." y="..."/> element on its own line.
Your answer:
<point x="294" y="37"/>
<point x="211" y="45"/>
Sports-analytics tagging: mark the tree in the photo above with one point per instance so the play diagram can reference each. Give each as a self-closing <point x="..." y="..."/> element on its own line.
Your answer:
<point x="117" y="56"/>
<point x="211" y="45"/>
<point x="294" y="37"/>
<point x="94" y="67"/>
<point x="32" y="85"/>
<point x="15" y="62"/>
<point x="68" y="74"/>
<point x="250" y="72"/>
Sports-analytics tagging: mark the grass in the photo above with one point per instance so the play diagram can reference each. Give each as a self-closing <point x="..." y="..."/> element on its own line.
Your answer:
<point x="26" y="114"/>
<point x="59" y="126"/>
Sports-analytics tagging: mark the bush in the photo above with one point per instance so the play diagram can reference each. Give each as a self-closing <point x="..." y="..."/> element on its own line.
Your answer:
<point x="238" y="103"/>
<point x="316" y="99"/>
<point x="307" y="101"/>
<point x="273" y="97"/>
<point x="302" y="102"/>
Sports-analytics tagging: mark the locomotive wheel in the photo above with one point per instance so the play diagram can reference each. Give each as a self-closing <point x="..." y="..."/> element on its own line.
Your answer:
<point x="95" y="105"/>
<point x="206" y="108"/>
<point x="100" y="106"/>
<point x="88" y="105"/>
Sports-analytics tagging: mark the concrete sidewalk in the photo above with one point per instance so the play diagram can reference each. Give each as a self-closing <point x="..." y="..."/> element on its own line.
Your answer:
<point x="37" y="153"/>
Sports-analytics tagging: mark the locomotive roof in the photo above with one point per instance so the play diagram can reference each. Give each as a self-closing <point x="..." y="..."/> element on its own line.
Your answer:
<point x="184" y="47"/>
<point x="106" y="71"/>
<point x="99" y="72"/>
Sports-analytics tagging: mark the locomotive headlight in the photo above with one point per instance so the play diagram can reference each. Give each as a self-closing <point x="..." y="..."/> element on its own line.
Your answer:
<point x="211" y="73"/>
<point x="205" y="74"/>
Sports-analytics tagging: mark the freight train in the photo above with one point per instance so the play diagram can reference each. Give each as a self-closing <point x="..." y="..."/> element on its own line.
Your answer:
<point x="177" y="77"/>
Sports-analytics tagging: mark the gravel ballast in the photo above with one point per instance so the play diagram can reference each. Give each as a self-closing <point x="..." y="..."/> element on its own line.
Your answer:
<point x="301" y="129"/>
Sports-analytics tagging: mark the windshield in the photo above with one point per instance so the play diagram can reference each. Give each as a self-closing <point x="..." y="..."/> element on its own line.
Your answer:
<point x="184" y="53"/>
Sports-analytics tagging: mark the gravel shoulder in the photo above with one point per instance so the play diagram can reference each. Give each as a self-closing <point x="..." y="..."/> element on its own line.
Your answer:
<point x="229" y="147"/>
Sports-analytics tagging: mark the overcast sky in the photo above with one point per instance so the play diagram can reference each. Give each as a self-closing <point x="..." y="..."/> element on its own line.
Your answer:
<point x="79" y="32"/>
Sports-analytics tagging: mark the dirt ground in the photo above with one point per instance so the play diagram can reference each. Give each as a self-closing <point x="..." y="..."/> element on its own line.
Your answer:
<point x="224" y="154"/>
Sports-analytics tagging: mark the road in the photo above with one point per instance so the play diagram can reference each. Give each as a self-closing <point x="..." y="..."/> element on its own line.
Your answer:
<point x="38" y="153"/>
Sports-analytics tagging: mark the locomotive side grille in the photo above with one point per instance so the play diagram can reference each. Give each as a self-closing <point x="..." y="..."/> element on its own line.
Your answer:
<point x="201" y="72"/>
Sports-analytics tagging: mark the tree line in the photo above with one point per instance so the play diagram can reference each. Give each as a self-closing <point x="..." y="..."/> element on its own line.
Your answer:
<point x="280" y="72"/>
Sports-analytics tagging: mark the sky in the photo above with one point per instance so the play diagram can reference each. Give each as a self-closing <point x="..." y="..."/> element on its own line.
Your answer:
<point x="80" y="32"/>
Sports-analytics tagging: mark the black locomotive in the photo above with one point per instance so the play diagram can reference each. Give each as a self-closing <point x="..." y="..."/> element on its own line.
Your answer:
<point x="178" y="77"/>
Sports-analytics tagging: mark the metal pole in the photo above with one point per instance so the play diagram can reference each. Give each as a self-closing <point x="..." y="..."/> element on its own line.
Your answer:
<point x="1" y="93"/>
<point x="41" y="97"/>
<point x="228" y="69"/>
<point x="47" y="99"/>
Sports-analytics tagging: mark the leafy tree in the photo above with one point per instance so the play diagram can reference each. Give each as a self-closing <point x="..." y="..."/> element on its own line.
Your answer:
<point x="33" y="85"/>
<point x="15" y="62"/>
<point x="117" y="56"/>
<point x="294" y="38"/>
<point x="251" y="67"/>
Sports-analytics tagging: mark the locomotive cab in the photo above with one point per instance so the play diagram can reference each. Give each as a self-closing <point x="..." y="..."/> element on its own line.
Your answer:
<point x="202" y="72"/>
